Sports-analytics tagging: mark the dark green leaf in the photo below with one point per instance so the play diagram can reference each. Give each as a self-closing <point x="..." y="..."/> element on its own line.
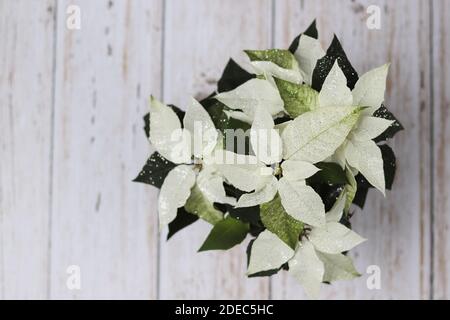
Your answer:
<point x="345" y="220"/>
<point x="249" y="215"/>
<point x="283" y="58"/>
<point x="297" y="98"/>
<point x="232" y="129"/>
<point x="182" y="220"/>
<point x="155" y="170"/>
<point x="330" y="173"/>
<point x="282" y="120"/>
<point x="147" y="125"/>
<point x="328" y="193"/>
<point x="279" y="222"/>
<point x="233" y="76"/>
<point x="389" y="165"/>
<point x="267" y="273"/>
<point x="328" y="182"/>
<point x="324" y="65"/>
<point x="225" y="234"/>
<point x="311" y="32"/>
<point x="225" y="124"/>
<point x="216" y="110"/>
<point x="390" y="132"/>
<point x="360" y="196"/>
<point x="255" y="230"/>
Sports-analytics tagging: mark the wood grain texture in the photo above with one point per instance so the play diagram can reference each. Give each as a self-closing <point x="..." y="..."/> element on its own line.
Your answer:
<point x="101" y="220"/>
<point x="397" y="226"/>
<point x="26" y="63"/>
<point x="198" y="43"/>
<point x="441" y="99"/>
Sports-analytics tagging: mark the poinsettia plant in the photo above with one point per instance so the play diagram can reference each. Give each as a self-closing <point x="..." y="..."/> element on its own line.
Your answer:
<point x="311" y="143"/>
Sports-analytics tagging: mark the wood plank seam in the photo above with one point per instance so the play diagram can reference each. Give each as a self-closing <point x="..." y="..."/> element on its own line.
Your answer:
<point x="52" y="144"/>
<point x="163" y="51"/>
<point x="432" y="148"/>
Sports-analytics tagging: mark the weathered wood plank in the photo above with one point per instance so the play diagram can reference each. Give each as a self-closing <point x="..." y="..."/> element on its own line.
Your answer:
<point x="102" y="221"/>
<point x="199" y="40"/>
<point x="397" y="226"/>
<point x="441" y="98"/>
<point x="26" y="64"/>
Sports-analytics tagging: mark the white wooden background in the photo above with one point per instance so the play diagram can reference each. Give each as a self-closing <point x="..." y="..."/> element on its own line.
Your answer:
<point x="71" y="140"/>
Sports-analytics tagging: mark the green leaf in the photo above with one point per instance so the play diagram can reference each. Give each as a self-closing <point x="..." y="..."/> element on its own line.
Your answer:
<point x="155" y="170"/>
<point x="384" y="113"/>
<point x="278" y="221"/>
<point x="330" y="173"/>
<point x="297" y="98"/>
<point x="225" y="234"/>
<point x="200" y="206"/>
<point x="311" y="31"/>
<point x="182" y="220"/>
<point x="283" y="58"/>
<point x="233" y="76"/>
<point x="324" y="65"/>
